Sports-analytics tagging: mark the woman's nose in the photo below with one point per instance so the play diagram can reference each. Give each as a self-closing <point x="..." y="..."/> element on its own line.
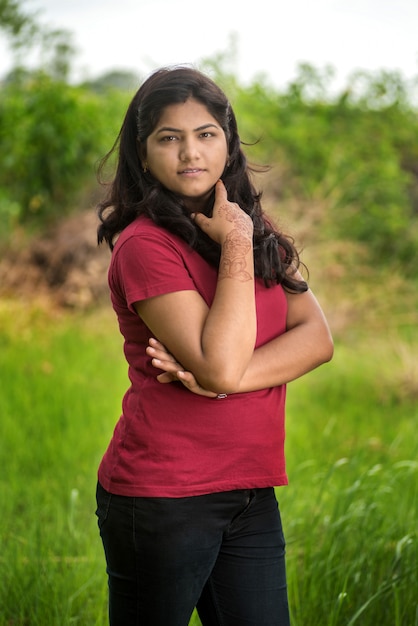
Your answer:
<point x="189" y="150"/>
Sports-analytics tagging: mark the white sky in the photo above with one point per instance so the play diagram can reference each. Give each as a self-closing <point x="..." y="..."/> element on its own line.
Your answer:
<point x="272" y="36"/>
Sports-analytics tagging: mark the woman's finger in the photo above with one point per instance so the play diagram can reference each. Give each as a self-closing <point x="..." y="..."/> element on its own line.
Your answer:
<point x="161" y="355"/>
<point x="154" y="343"/>
<point x="191" y="383"/>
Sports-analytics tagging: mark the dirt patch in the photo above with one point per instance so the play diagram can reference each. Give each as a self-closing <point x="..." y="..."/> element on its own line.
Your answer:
<point x="64" y="265"/>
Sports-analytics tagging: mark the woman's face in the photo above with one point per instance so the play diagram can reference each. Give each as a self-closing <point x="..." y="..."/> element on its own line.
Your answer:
<point x="187" y="152"/>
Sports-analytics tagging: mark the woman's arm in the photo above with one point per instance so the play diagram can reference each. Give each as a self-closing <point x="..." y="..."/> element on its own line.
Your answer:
<point x="200" y="337"/>
<point x="305" y="345"/>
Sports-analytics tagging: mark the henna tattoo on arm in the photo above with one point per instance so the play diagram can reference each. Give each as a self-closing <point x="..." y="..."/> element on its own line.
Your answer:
<point x="237" y="244"/>
<point x="233" y="263"/>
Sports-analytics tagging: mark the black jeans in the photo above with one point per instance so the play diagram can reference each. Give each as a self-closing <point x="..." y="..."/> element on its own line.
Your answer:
<point x="223" y="553"/>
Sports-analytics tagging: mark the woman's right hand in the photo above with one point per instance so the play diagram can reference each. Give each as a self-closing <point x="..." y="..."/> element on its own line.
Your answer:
<point x="226" y="217"/>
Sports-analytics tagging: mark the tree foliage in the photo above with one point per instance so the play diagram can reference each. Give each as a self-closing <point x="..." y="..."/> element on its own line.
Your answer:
<point x="355" y="154"/>
<point x="26" y="33"/>
<point x="14" y="21"/>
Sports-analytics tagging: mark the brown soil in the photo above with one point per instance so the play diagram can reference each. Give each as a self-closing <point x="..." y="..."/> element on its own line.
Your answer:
<point x="64" y="266"/>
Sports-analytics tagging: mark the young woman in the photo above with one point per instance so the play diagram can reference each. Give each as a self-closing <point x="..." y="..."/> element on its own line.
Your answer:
<point x="209" y="299"/>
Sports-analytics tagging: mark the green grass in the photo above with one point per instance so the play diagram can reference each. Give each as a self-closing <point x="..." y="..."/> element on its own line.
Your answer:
<point x="351" y="508"/>
<point x="350" y="512"/>
<point x="61" y="380"/>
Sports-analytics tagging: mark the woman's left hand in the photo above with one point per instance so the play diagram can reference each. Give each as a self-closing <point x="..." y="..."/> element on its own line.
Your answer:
<point x="173" y="370"/>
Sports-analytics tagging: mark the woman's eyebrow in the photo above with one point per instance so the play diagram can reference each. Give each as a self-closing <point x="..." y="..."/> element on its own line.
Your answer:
<point x="170" y="129"/>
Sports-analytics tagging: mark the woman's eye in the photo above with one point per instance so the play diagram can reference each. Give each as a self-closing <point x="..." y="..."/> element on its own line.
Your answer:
<point x="168" y="138"/>
<point x="206" y="134"/>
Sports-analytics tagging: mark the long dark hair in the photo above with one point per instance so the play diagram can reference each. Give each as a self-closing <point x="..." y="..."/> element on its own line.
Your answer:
<point x="134" y="192"/>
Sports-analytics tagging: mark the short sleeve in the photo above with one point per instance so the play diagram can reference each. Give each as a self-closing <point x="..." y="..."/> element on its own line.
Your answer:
<point x="147" y="265"/>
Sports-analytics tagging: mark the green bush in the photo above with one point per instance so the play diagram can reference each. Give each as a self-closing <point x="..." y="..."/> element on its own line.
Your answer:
<point x="52" y="135"/>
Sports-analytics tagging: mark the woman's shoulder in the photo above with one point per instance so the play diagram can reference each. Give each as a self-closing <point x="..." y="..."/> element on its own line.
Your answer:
<point x="144" y="237"/>
<point x="138" y="227"/>
<point x="143" y="227"/>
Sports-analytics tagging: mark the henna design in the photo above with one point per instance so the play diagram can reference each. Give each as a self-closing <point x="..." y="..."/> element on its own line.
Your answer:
<point x="234" y="214"/>
<point x="233" y="262"/>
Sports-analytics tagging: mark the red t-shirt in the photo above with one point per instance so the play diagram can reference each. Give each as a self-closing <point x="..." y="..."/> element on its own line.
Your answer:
<point x="170" y="442"/>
